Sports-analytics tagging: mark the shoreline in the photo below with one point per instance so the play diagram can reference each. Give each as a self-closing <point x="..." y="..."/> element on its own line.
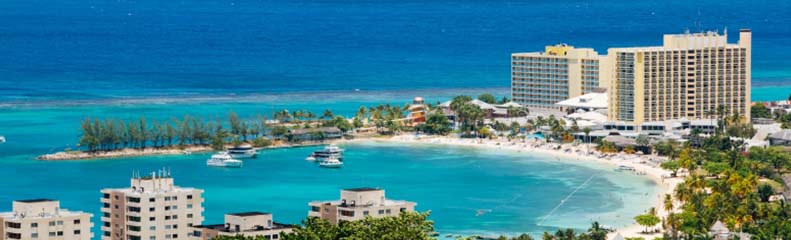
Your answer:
<point x="152" y="151"/>
<point x="665" y="185"/>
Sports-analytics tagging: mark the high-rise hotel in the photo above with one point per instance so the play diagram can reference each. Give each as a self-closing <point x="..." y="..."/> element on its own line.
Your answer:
<point x="152" y="208"/>
<point x="690" y="77"/>
<point x="541" y="79"/>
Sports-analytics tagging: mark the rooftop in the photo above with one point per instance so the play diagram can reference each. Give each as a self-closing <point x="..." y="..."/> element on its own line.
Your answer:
<point x="588" y="100"/>
<point x="362" y="189"/>
<point x="35" y="200"/>
<point x="247" y="214"/>
<point x="223" y="228"/>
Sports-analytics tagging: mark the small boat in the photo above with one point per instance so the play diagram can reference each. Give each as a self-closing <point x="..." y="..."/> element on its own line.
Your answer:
<point x="187" y="152"/>
<point x="223" y="159"/>
<point x="310" y="158"/>
<point x="243" y="151"/>
<point x="2" y="139"/>
<point x="330" y="151"/>
<point x="331" y="163"/>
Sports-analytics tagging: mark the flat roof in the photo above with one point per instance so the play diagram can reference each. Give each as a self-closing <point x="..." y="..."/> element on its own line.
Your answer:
<point x="222" y="228"/>
<point x="247" y="214"/>
<point x="35" y="200"/>
<point x="362" y="189"/>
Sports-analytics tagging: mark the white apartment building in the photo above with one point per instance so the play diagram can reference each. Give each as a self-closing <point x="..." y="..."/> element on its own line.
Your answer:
<point x="44" y="219"/>
<point x="151" y="208"/>
<point x="357" y="203"/>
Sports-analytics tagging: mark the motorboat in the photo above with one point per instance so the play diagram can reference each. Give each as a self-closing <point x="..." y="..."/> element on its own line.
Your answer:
<point x="223" y="159"/>
<point x="2" y="139"/>
<point x="311" y="158"/>
<point x="242" y="151"/>
<point x="330" y="151"/>
<point x="331" y="163"/>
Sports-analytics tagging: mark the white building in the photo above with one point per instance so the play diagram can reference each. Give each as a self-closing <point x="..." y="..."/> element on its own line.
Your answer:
<point x="44" y="219"/>
<point x="357" y="203"/>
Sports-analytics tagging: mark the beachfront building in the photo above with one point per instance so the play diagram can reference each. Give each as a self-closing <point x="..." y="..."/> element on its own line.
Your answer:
<point x="151" y="208"/>
<point x="357" y="203"/>
<point x="560" y="72"/>
<point x="248" y="224"/>
<point x="690" y="76"/>
<point x="44" y="219"/>
<point x="418" y="111"/>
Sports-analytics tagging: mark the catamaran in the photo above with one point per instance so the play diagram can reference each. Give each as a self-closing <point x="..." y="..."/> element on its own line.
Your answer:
<point x="330" y="151"/>
<point x="223" y="159"/>
<point x="242" y="151"/>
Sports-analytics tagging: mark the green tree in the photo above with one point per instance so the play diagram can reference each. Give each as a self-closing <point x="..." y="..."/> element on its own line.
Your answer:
<point x="647" y="220"/>
<point x="671" y="165"/>
<point x="487" y="98"/>
<point x="758" y="110"/>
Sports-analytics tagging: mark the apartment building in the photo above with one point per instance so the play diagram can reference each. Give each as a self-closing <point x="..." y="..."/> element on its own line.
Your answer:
<point x="541" y="79"/>
<point x="44" y="219"/>
<point x="248" y="224"/>
<point x="691" y="76"/>
<point x="151" y="208"/>
<point x="357" y="203"/>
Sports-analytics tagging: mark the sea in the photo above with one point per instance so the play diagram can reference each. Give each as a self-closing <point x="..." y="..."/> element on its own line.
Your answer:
<point x="62" y="61"/>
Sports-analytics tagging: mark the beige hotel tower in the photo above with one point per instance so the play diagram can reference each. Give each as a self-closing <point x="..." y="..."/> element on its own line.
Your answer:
<point x="689" y="76"/>
<point x="152" y="208"/>
<point x="560" y="72"/>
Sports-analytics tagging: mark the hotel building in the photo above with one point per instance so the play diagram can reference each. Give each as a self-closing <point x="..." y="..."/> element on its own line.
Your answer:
<point x="44" y="219"/>
<point x="688" y="77"/>
<point x="248" y="224"/>
<point x="151" y="208"/>
<point x="357" y="203"/>
<point x="541" y="79"/>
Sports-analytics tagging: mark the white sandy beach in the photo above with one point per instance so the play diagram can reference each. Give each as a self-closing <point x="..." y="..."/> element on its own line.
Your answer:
<point x="640" y="163"/>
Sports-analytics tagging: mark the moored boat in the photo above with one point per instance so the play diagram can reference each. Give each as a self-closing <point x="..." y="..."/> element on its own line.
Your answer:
<point x="331" y="163"/>
<point x="223" y="159"/>
<point x="2" y="139"/>
<point x="330" y="151"/>
<point x="243" y="151"/>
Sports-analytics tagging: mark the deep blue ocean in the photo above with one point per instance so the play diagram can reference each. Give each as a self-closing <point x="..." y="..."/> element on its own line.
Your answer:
<point x="63" y="50"/>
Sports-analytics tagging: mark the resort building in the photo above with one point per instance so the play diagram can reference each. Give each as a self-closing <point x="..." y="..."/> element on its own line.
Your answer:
<point x="248" y="224"/>
<point x="689" y="76"/>
<point x="541" y="79"/>
<point x="357" y="203"/>
<point x="151" y="208"/>
<point x="418" y="111"/>
<point x="44" y="219"/>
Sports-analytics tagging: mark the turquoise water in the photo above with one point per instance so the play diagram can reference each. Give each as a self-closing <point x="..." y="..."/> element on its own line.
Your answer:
<point x="452" y="182"/>
<point x="516" y="190"/>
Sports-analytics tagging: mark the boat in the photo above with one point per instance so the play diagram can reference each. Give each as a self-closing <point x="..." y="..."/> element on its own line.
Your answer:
<point x="331" y="163"/>
<point x="2" y="139"/>
<point x="330" y="151"/>
<point x="223" y="159"/>
<point x="243" y="151"/>
<point x="311" y="158"/>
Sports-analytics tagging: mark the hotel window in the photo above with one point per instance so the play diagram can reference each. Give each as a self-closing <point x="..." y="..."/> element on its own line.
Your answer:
<point x="152" y="219"/>
<point x="51" y="234"/>
<point x="60" y="233"/>
<point x="365" y="213"/>
<point x="189" y="215"/>
<point x="76" y="221"/>
<point x="167" y="198"/>
<point x="152" y="200"/>
<point x="189" y="206"/>
<point x="387" y="211"/>
<point x="77" y="232"/>
<point x="52" y="223"/>
<point x="152" y="228"/>
<point x="34" y="235"/>
<point x="34" y="225"/>
<point x="189" y="196"/>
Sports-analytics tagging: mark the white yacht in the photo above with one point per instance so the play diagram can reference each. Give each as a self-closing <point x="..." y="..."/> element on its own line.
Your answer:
<point x="330" y="151"/>
<point x="311" y="158"/>
<point x="243" y="151"/>
<point x="223" y="159"/>
<point x="331" y="163"/>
